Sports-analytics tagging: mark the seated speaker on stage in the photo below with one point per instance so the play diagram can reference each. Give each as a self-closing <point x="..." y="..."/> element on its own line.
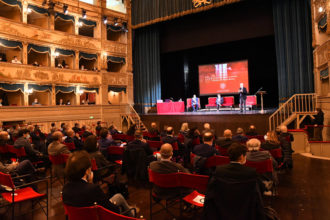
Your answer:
<point x="194" y="103"/>
<point x="219" y="101"/>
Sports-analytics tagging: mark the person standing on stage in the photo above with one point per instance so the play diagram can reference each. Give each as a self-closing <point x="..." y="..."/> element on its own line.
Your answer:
<point x="219" y="101"/>
<point x="242" y="97"/>
<point x="194" y="103"/>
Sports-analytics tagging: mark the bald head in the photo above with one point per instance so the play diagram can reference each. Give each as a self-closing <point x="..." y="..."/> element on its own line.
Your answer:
<point x="169" y="130"/>
<point x="166" y="151"/>
<point x="227" y="133"/>
<point x="207" y="126"/>
<point x="208" y="137"/>
<point x="4" y="135"/>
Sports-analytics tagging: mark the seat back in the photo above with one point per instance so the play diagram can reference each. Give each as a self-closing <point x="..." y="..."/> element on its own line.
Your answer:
<point x="251" y="100"/>
<point x="94" y="165"/>
<point x="155" y="144"/>
<point x="115" y="150"/>
<point x="261" y="167"/>
<point x="71" y="146"/>
<point x="3" y="149"/>
<point x="122" y="137"/>
<point x="223" y="151"/>
<point x="175" y="146"/>
<point x="5" y="179"/>
<point x="276" y="153"/>
<point x="261" y="138"/>
<point x="212" y="101"/>
<point x="193" y="181"/>
<point x="81" y="213"/>
<point x="164" y="180"/>
<point x="19" y="152"/>
<point x="105" y="214"/>
<point x="188" y="103"/>
<point x="58" y="159"/>
<point x="216" y="161"/>
<point x="228" y="101"/>
<point x="181" y="138"/>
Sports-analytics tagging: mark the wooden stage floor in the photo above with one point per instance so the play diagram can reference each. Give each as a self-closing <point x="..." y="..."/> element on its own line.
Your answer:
<point x="219" y="120"/>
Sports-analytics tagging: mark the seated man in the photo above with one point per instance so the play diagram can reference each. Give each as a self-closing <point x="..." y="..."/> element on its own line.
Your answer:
<point x="252" y="131"/>
<point x="72" y="137"/>
<point x="80" y="190"/>
<point x="24" y="141"/>
<point x="195" y="103"/>
<point x="170" y="139"/>
<point x="98" y="128"/>
<point x="226" y="140"/>
<point x="240" y="137"/>
<point x="105" y="141"/>
<point x="232" y="192"/>
<point x="139" y="142"/>
<point x="206" y="149"/>
<point x="166" y="166"/>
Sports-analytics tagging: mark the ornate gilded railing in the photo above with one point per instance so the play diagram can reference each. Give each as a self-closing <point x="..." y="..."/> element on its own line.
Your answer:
<point x="297" y="105"/>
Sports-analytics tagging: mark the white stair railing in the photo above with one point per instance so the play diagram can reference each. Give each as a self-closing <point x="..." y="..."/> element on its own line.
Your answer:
<point x="297" y="105"/>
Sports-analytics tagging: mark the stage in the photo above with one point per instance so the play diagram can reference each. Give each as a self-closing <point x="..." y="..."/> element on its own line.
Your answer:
<point x="219" y="120"/>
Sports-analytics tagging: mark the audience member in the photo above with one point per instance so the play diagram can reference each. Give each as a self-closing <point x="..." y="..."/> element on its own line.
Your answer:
<point x="154" y="130"/>
<point x="60" y="102"/>
<point x="105" y="141"/>
<point x="184" y="129"/>
<point x="38" y="138"/>
<point x="1" y="102"/>
<point x="52" y="127"/>
<point x="131" y="130"/>
<point x="232" y="191"/>
<point x="98" y="128"/>
<point x="286" y="139"/>
<point x="113" y="130"/>
<point x="271" y="141"/>
<point x="35" y="63"/>
<point x="15" y="60"/>
<point x="166" y="166"/>
<point x="35" y="102"/>
<point x="24" y="141"/>
<point x="240" y="137"/>
<point x="139" y="142"/>
<point x="87" y="131"/>
<point x="76" y="128"/>
<point x="207" y="128"/>
<point x="72" y="137"/>
<point x="206" y="149"/>
<point x="226" y="140"/>
<point x="80" y="190"/>
<point x="252" y="131"/>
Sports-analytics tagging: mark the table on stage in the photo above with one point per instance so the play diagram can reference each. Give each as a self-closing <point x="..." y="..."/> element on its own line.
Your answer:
<point x="170" y="107"/>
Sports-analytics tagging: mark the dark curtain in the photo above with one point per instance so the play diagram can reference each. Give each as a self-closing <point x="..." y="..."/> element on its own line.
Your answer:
<point x="12" y="3"/>
<point x="116" y="59"/>
<point x="64" y="17"/>
<point x="10" y="43"/>
<point x="65" y="52"/>
<point x="147" y="78"/>
<point x="114" y="28"/>
<point x="294" y="52"/>
<point x="38" y="9"/>
<point x="65" y="89"/>
<point x="39" y="49"/>
<point x="40" y="88"/>
<point x="89" y="89"/>
<point x="87" y="56"/>
<point x="87" y="22"/>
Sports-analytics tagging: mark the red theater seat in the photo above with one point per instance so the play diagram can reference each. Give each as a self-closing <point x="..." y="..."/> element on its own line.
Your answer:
<point x="212" y="102"/>
<point x="228" y="101"/>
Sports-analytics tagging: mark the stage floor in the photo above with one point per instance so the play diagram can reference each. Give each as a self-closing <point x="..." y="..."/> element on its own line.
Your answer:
<point x="219" y="120"/>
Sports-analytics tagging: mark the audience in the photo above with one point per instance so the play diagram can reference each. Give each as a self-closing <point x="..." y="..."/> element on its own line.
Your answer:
<point x="207" y="128"/>
<point x="240" y="137"/>
<point x="139" y="142"/>
<point x="105" y="141"/>
<point x="286" y="139"/>
<point x="131" y="130"/>
<point x="226" y="140"/>
<point x="154" y="130"/>
<point x="252" y="131"/>
<point x="271" y="141"/>
<point x="15" y="60"/>
<point x="206" y="149"/>
<point x="35" y="102"/>
<point x="184" y="129"/>
<point x="98" y="128"/>
<point x="24" y="141"/>
<point x="80" y="190"/>
<point x="113" y="130"/>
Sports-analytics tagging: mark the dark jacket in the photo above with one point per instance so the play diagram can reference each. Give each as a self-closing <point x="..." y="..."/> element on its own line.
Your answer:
<point x="23" y="142"/>
<point x="204" y="150"/>
<point x="82" y="194"/>
<point x="166" y="167"/>
<point x="243" y="93"/>
<point x="232" y="194"/>
<point x="240" y="138"/>
<point x="135" y="163"/>
<point x="139" y="144"/>
<point x="224" y="142"/>
<point x="270" y="145"/>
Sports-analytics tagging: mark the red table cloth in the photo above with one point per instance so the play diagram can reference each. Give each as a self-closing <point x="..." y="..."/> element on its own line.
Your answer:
<point x="170" y="107"/>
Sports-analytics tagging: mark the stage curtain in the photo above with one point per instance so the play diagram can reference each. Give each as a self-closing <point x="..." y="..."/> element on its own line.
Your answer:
<point x="11" y="87"/>
<point x="65" y="89"/>
<point x="65" y="52"/>
<point x="116" y="59"/>
<point x="64" y="17"/>
<point x="10" y="43"/>
<point x="40" y="88"/>
<point x="293" y="42"/>
<point x="38" y="9"/>
<point x="147" y="12"/>
<point x="87" y="22"/>
<point x="39" y="49"/>
<point x="87" y="56"/>
<point x="12" y="3"/>
<point x="116" y="89"/>
<point x="114" y="28"/>
<point x="89" y="89"/>
<point x="147" y="77"/>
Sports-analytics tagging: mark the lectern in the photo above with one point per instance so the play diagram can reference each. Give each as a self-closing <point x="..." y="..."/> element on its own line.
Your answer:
<point x="262" y="93"/>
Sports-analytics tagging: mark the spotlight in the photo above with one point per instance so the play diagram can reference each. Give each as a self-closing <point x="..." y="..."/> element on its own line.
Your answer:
<point x="80" y="24"/>
<point x="105" y="19"/>
<point x="320" y="9"/>
<point x="65" y="9"/>
<point x="84" y="15"/>
<point x="29" y="10"/>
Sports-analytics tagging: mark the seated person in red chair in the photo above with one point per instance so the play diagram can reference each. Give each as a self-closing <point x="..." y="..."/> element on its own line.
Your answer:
<point x="240" y="137"/>
<point x="73" y="137"/>
<point x="226" y="140"/>
<point x="271" y="142"/>
<point x="206" y="149"/>
<point x="166" y="166"/>
<point x="232" y="191"/>
<point x="195" y="103"/>
<point x="105" y="141"/>
<point x="139" y="142"/>
<point x="252" y="131"/>
<point x="80" y="190"/>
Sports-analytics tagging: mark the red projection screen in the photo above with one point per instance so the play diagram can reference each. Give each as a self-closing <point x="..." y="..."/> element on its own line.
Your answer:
<point x="223" y="78"/>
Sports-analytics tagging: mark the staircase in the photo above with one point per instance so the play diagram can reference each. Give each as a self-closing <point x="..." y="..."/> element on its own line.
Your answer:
<point x="296" y="108"/>
<point x="135" y="118"/>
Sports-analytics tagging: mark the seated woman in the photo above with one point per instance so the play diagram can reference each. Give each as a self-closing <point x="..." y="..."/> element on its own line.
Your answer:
<point x="80" y="191"/>
<point x="105" y="141"/>
<point x="271" y="142"/>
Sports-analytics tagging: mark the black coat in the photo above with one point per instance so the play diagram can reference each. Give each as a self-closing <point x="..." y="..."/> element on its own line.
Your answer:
<point x="205" y="150"/>
<point x="139" y="144"/>
<point x="232" y="194"/>
<point x="82" y="194"/>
